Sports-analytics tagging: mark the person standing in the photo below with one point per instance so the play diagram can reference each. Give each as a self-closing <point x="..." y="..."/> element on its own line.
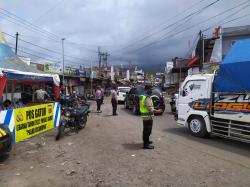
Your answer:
<point x="41" y="95"/>
<point x="147" y="112"/>
<point x="114" y="102"/>
<point x="98" y="97"/>
<point x="102" y="90"/>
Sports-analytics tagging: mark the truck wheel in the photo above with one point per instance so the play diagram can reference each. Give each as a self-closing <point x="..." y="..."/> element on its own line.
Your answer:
<point x="197" y="127"/>
<point x="83" y="122"/>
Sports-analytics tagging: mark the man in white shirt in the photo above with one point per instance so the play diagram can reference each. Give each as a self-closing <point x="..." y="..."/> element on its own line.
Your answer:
<point x="98" y="97"/>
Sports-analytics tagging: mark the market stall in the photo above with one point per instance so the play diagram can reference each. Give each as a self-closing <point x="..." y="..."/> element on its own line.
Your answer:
<point x="19" y="107"/>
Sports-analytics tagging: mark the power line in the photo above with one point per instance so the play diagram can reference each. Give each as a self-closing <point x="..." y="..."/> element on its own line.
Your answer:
<point x="168" y="36"/>
<point x="178" y="14"/>
<point x="32" y="27"/>
<point x="223" y="21"/>
<point x="37" y="56"/>
<point x="88" y="49"/>
<point x="169" y="19"/>
<point x="230" y="21"/>
<point x="176" y="22"/>
<point x="50" y="50"/>
<point x="48" y="10"/>
<point x="67" y="62"/>
<point x="193" y="45"/>
<point x="27" y="22"/>
<point x="36" y="37"/>
<point x="17" y="20"/>
<point x="27" y="27"/>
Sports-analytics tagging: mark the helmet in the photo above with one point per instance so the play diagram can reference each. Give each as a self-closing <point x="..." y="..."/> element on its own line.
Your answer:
<point x="148" y="84"/>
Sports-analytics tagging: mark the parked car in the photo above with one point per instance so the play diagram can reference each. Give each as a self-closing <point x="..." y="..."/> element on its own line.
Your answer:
<point x="132" y="99"/>
<point x="5" y="140"/>
<point x="121" y="93"/>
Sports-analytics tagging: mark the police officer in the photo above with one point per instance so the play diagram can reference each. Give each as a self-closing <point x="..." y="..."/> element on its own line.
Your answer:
<point x="147" y="112"/>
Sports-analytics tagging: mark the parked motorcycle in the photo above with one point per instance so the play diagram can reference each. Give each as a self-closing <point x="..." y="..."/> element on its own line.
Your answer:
<point x="5" y="140"/>
<point x="74" y="115"/>
<point x="74" y="101"/>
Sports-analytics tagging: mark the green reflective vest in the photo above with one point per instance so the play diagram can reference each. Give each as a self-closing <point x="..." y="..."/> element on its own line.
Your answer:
<point x="145" y="112"/>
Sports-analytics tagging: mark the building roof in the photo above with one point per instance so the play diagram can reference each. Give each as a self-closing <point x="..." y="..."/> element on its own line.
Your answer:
<point x="8" y="59"/>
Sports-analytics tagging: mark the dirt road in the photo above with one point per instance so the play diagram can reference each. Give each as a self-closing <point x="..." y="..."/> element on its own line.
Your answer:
<point x="108" y="153"/>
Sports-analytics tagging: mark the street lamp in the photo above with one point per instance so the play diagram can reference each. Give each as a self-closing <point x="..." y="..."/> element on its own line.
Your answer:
<point x="63" y="61"/>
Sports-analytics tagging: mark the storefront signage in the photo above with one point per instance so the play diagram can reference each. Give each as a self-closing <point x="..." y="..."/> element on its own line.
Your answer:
<point x="19" y="77"/>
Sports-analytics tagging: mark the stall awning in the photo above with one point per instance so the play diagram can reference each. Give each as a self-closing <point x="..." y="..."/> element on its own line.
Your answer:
<point x="193" y="61"/>
<point x="15" y="69"/>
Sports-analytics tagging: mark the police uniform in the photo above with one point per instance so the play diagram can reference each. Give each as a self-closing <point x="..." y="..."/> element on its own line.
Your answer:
<point x="146" y="109"/>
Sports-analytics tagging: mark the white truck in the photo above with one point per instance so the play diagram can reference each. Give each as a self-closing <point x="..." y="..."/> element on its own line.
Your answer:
<point x="219" y="104"/>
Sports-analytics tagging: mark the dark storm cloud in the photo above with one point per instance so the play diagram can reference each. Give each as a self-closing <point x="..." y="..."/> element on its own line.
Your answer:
<point x="116" y="26"/>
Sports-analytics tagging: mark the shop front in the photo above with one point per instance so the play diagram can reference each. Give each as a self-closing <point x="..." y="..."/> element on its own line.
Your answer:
<point x="19" y="109"/>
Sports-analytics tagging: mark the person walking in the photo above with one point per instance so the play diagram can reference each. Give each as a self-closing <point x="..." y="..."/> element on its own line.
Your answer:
<point x="147" y="112"/>
<point x="114" y="102"/>
<point x="98" y="97"/>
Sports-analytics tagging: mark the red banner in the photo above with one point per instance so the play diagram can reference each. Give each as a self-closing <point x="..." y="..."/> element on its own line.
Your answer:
<point x="3" y="80"/>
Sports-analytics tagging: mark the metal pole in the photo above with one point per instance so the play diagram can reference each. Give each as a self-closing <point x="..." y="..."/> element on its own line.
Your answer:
<point x="91" y="78"/>
<point x="99" y="57"/>
<point x="179" y="69"/>
<point x="63" y="60"/>
<point x="201" y="51"/>
<point x="16" y="43"/>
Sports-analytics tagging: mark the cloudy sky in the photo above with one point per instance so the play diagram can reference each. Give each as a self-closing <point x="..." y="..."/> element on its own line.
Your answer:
<point x="140" y="31"/>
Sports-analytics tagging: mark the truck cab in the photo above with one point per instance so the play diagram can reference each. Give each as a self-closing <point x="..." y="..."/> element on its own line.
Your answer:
<point x="194" y="88"/>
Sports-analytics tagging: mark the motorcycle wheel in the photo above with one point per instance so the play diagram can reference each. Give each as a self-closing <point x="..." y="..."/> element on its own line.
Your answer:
<point x="60" y="131"/>
<point x="83" y="122"/>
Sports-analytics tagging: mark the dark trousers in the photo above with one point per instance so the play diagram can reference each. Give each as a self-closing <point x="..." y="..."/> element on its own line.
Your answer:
<point x="98" y="103"/>
<point x="114" y="106"/>
<point x="147" y="130"/>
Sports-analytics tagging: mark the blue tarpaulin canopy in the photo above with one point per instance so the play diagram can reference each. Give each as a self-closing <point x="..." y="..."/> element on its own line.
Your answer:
<point x="15" y="69"/>
<point x="234" y="73"/>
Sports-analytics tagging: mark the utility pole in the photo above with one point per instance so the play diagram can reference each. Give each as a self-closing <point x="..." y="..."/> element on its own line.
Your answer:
<point x="63" y="61"/>
<point x="105" y="59"/>
<point x="99" y="57"/>
<point x="102" y="57"/>
<point x="180" y="71"/>
<point x="16" y="43"/>
<point x="201" y="51"/>
<point x="91" y="78"/>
